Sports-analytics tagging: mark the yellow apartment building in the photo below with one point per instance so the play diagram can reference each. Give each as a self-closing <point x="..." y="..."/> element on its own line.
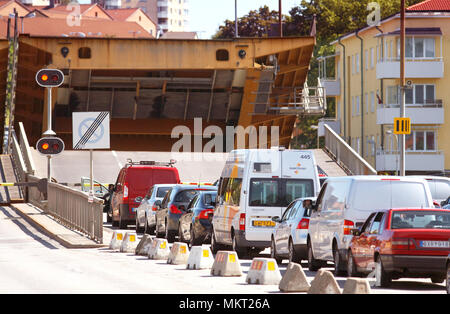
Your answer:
<point x="365" y="79"/>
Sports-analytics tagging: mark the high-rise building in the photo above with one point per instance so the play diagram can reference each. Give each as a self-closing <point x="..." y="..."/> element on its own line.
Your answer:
<point x="173" y="15"/>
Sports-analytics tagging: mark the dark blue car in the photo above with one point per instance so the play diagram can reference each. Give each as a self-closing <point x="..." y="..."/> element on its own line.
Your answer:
<point x="195" y="224"/>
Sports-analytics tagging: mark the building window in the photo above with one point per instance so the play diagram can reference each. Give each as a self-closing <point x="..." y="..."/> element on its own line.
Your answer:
<point x="420" y="95"/>
<point x="421" y="141"/>
<point x="371" y="58"/>
<point x="418" y="47"/>
<point x="222" y="55"/>
<point x="372" y="101"/>
<point x="84" y="53"/>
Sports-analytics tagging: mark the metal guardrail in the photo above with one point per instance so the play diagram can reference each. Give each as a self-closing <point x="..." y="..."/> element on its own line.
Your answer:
<point x="72" y="209"/>
<point x="345" y="156"/>
<point x="67" y="205"/>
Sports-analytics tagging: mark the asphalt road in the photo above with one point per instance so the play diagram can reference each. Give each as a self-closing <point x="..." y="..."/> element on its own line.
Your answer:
<point x="33" y="263"/>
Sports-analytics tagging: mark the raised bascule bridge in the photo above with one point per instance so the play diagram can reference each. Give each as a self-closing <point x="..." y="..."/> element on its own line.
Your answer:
<point x="150" y="86"/>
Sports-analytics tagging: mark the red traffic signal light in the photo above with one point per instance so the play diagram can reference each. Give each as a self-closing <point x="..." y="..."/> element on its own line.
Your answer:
<point x="49" y="77"/>
<point x="50" y="146"/>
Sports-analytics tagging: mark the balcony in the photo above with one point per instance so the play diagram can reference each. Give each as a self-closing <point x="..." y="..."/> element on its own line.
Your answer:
<point x="418" y="68"/>
<point x="414" y="161"/>
<point x="429" y="113"/>
<point x="332" y="86"/>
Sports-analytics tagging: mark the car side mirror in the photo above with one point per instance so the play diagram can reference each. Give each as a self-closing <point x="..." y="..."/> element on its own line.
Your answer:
<point x="276" y="219"/>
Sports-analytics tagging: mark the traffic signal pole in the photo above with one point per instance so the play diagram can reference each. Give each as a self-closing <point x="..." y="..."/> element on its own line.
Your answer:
<point x="49" y="131"/>
<point x="402" y="84"/>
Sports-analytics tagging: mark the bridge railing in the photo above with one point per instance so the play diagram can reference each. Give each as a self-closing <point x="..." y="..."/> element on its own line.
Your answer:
<point x="346" y="156"/>
<point x="72" y="209"/>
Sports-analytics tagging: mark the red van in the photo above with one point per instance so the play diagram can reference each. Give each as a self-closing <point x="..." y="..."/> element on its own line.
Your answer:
<point x="133" y="182"/>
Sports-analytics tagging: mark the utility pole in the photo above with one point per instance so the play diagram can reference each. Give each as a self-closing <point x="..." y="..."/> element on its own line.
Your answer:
<point x="236" y="35"/>
<point x="280" y="17"/>
<point x="402" y="84"/>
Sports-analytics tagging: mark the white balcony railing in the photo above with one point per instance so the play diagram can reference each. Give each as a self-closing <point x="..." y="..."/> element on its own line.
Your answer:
<point x="414" y="161"/>
<point x="332" y="86"/>
<point x="389" y="68"/>
<point x="429" y="113"/>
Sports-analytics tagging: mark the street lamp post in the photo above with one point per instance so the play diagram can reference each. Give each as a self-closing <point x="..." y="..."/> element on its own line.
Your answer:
<point x="391" y="133"/>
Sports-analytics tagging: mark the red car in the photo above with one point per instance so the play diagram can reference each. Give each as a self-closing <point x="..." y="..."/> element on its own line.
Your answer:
<point x="133" y="182"/>
<point x="399" y="243"/>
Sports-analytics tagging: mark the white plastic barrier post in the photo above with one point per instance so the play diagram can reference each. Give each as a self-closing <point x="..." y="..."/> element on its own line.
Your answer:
<point x="144" y="245"/>
<point x="179" y="254"/>
<point x="129" y="243"/>
<point x="226" y="264"/>
<point x="200" y="258"/>
<point x="116" y="240"/>
<point x="264" y="271"/>
<point x="159" y="249"/>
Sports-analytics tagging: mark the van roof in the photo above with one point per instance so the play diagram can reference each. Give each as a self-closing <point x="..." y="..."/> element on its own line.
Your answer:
<point x="378" y="178"/>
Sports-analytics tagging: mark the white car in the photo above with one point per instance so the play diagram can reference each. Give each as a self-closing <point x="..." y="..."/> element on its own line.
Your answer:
<point x="344" y="203"/>
<point x="145" y="213"/>
<point x="439" y="188"/>
<point x="289" y="238"/>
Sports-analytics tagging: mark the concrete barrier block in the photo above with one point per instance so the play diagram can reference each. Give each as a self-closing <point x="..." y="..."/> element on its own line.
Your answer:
<point x="226" y="264"/>
<point x="159" y="249"/>
<point x="129" y="243"/>
<point x="324" y="283"/>
<point x="144" y="245"/>
<point x="116" y="240"/>
<point x="200" y="257"/>
<point x="263" y="271"/>
<point x="294" y="279"/>
<point x="356" y="286"/>
<point x="179" y="254"/>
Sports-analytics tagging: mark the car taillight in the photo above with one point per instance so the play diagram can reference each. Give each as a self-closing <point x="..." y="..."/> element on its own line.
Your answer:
<point x="348" y="226"/>
<point x="125" y="191"/>
<point x="400" y="243"/>
<point x="303" y="224"/>
<point x="204" y="214"/>
<point x="242" y="222"/>
<point x="174" y="210"/>
<point x="154" y="208"/>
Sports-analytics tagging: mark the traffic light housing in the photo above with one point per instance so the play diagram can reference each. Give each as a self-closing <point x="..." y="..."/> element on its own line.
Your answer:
<point x="49" y="77"/>
<point x="50" y="146"/>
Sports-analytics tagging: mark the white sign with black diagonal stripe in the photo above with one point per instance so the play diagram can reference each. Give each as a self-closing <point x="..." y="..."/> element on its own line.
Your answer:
<point x="90" y="130"/>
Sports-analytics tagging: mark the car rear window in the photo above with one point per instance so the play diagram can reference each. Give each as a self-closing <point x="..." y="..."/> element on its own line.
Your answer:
<point x="161" y="192"/>
<point x="420" y="220"/>
<point x="370" y="195"/>
<point x="185" y="196"/>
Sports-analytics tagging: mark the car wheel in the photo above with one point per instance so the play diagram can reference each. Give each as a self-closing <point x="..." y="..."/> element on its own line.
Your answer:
<point x="122" y="224"/>
<point x="193" y="241"/>
<point x="180" y="234"/>
<point x="351" y="266"/>
<point x="293" y="255"/>
<point x="214" y="245"/>
<point x="339" y="267"/>
<point x="273" y="252"/>
<point x="382" y="278"/>
<point x="139" y="229"/>
<point x="169" y="234"/>
<point x="313" y="264"/>
<point x="240" y="251"/>
<point x="448" y="278"/>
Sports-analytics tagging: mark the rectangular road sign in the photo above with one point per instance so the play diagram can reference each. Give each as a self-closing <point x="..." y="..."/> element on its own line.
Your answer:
<point x="90" y="130"/>
<point x="402" y="126"/>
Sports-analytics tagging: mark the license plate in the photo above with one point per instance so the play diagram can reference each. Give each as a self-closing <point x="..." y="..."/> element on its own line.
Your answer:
<point x="435" y="244"/>
<point x="263" y="223"/>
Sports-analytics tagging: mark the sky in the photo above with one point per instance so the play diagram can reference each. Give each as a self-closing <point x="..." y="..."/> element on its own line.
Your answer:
<point x="205" y="16"/>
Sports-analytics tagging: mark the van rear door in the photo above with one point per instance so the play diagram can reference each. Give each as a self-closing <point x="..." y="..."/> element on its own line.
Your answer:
<point x="264" y="194"/>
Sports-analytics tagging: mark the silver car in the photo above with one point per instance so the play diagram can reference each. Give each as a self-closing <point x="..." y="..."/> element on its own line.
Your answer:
<point x="145" y="213"/>
<point x="289" y="237"/>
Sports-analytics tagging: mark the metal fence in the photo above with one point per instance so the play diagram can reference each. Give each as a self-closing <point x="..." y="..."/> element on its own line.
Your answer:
<point x="345" y="156"/>
<point x="72" y="209"/>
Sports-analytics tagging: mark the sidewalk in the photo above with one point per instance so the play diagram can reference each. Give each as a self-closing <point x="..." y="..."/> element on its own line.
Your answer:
<point x="45" y="223"/>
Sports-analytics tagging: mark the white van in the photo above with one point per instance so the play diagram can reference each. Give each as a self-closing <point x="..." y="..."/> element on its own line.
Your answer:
<point x="344" y="203"/>
<point x="439" y="188"/>
<point x="256" y="185"/>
